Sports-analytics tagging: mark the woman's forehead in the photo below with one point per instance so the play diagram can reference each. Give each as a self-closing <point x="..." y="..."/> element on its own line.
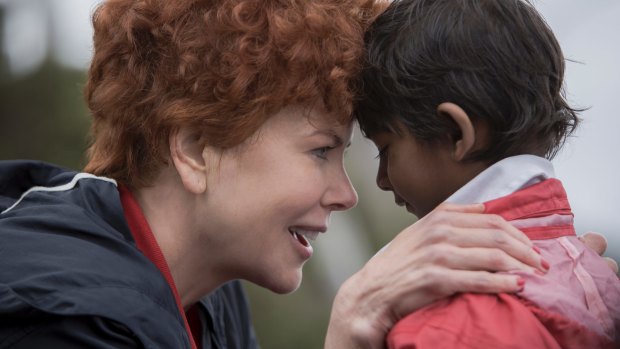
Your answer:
<point x="310" y="121"/>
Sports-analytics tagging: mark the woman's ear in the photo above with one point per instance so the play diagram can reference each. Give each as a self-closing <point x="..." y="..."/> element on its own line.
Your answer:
<point x="186" y="151"/>
<point x="465" y="144"/>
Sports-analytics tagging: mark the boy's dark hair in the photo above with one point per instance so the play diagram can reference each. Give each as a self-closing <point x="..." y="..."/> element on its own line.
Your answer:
<point x="496" y="59"/>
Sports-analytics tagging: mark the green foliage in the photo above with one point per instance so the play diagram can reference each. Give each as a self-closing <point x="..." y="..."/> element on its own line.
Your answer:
<point x="297" y="320"/>
<point x="43" y="116"/>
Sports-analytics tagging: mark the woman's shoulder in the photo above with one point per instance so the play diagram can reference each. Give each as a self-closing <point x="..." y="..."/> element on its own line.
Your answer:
<point x="66" y="251"/>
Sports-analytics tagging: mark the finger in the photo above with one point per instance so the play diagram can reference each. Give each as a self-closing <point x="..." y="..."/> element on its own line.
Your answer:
<point x="521" y="255"/>
<point x="612" y="264"/>
<point x="478" y="221"/>
<point x="433" y="283"/>
<point x="479" y="258"/>
<point x="471" y="208"/>
<point x="449" y="281"/>
<point x="594" y="241"/>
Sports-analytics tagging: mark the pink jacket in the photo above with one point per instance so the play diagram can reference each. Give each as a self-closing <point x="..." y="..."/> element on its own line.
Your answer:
<point x="575" y="305"/>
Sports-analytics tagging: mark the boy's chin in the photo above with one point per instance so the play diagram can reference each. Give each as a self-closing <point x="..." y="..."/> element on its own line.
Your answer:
<point x="416" y="211"/>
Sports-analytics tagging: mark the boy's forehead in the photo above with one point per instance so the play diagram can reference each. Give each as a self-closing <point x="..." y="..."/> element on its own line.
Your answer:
<point x="394" y="127"/>
<point x="383" y="137"/>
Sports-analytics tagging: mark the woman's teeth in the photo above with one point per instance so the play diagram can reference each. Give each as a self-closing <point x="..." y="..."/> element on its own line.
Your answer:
<point x="304" y="235"/>
<point x="310" y="235"/>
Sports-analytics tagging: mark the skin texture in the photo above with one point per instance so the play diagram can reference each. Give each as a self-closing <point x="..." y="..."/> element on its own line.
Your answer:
<point x="418" y="175"/>
<point x="423" y="175"/>
<point x="441" y="254"/>
<point x="236" y="207"/>
<point x="598" y="243"/>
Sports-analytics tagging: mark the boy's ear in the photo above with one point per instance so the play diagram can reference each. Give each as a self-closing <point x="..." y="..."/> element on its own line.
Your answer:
<point x="465" y="144"/>
<point x="186" y="152"/>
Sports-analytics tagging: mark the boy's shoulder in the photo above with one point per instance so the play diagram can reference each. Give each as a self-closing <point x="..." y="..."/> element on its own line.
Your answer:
<point x="547" y="313"/>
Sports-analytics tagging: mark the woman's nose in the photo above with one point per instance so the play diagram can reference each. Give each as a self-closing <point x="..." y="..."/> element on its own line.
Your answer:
<point x="342" y="195"/>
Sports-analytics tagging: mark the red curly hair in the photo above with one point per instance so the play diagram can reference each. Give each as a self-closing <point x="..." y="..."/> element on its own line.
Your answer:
<point x="222" y="67"/>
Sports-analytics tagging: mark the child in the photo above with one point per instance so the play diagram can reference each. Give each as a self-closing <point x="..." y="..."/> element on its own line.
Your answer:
<point x="464" y="101"/>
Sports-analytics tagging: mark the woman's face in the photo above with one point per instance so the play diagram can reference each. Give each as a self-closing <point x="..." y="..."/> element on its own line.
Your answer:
<point x="269" y="196"/>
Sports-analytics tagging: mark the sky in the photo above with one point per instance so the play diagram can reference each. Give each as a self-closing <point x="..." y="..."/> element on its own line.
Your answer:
<point x="27" y="33"/>
<point x="588" y="165"/>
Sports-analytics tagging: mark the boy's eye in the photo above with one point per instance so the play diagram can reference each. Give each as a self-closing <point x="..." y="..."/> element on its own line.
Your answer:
<point x="382" y="152"/>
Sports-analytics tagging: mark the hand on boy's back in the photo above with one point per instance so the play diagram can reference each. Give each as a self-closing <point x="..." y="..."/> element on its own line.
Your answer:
<point x="598" y="243"/>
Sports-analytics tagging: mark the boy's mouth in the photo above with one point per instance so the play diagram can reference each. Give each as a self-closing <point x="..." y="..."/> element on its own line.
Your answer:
<point x="400" y="202"/>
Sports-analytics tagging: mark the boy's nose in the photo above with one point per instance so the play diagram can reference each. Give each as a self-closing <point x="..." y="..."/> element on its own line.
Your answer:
<point x="383" y="181"/>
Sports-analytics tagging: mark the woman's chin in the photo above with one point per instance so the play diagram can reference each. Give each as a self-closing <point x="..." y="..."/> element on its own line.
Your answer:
<point x="277" y="280"/>
<point x="284" y="284"/>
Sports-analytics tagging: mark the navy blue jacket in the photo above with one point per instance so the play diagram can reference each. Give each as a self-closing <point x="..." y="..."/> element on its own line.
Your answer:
<point x="71" y="275"/>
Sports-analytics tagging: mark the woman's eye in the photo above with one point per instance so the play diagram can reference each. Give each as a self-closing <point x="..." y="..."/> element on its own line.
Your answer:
<point x="322" y="152"/>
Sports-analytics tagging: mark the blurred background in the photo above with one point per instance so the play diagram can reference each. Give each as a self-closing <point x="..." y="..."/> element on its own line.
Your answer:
<point x="45" y="49"/>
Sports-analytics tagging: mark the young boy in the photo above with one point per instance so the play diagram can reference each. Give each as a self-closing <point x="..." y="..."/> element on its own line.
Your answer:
<point x="464" y="101"/>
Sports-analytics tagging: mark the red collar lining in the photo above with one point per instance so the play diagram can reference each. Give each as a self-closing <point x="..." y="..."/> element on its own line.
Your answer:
<point x="145" y="240"/>
<point x="542" y="199"/>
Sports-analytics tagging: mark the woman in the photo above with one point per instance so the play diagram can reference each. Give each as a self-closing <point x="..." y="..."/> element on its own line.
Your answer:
<point x="218" y="138"/>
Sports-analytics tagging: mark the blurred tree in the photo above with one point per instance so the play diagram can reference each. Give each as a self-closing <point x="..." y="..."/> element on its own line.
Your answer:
<point x="42" y="114"/>
<point x="43" y="119"/>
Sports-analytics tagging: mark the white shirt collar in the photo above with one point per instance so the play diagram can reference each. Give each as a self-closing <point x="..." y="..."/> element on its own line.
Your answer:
<point x="504" y="177"/>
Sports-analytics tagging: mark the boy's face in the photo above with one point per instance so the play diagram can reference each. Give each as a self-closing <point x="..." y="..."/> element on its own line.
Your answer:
<point x="421" y="176"/>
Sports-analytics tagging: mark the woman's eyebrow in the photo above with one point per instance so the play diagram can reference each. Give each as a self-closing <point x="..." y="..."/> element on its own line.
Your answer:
<point x="337" y="139"/>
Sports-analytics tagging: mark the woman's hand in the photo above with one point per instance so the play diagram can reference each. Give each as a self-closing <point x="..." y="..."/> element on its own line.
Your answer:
<point x="598" y="243"/>
<point x="453" y="249"/>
